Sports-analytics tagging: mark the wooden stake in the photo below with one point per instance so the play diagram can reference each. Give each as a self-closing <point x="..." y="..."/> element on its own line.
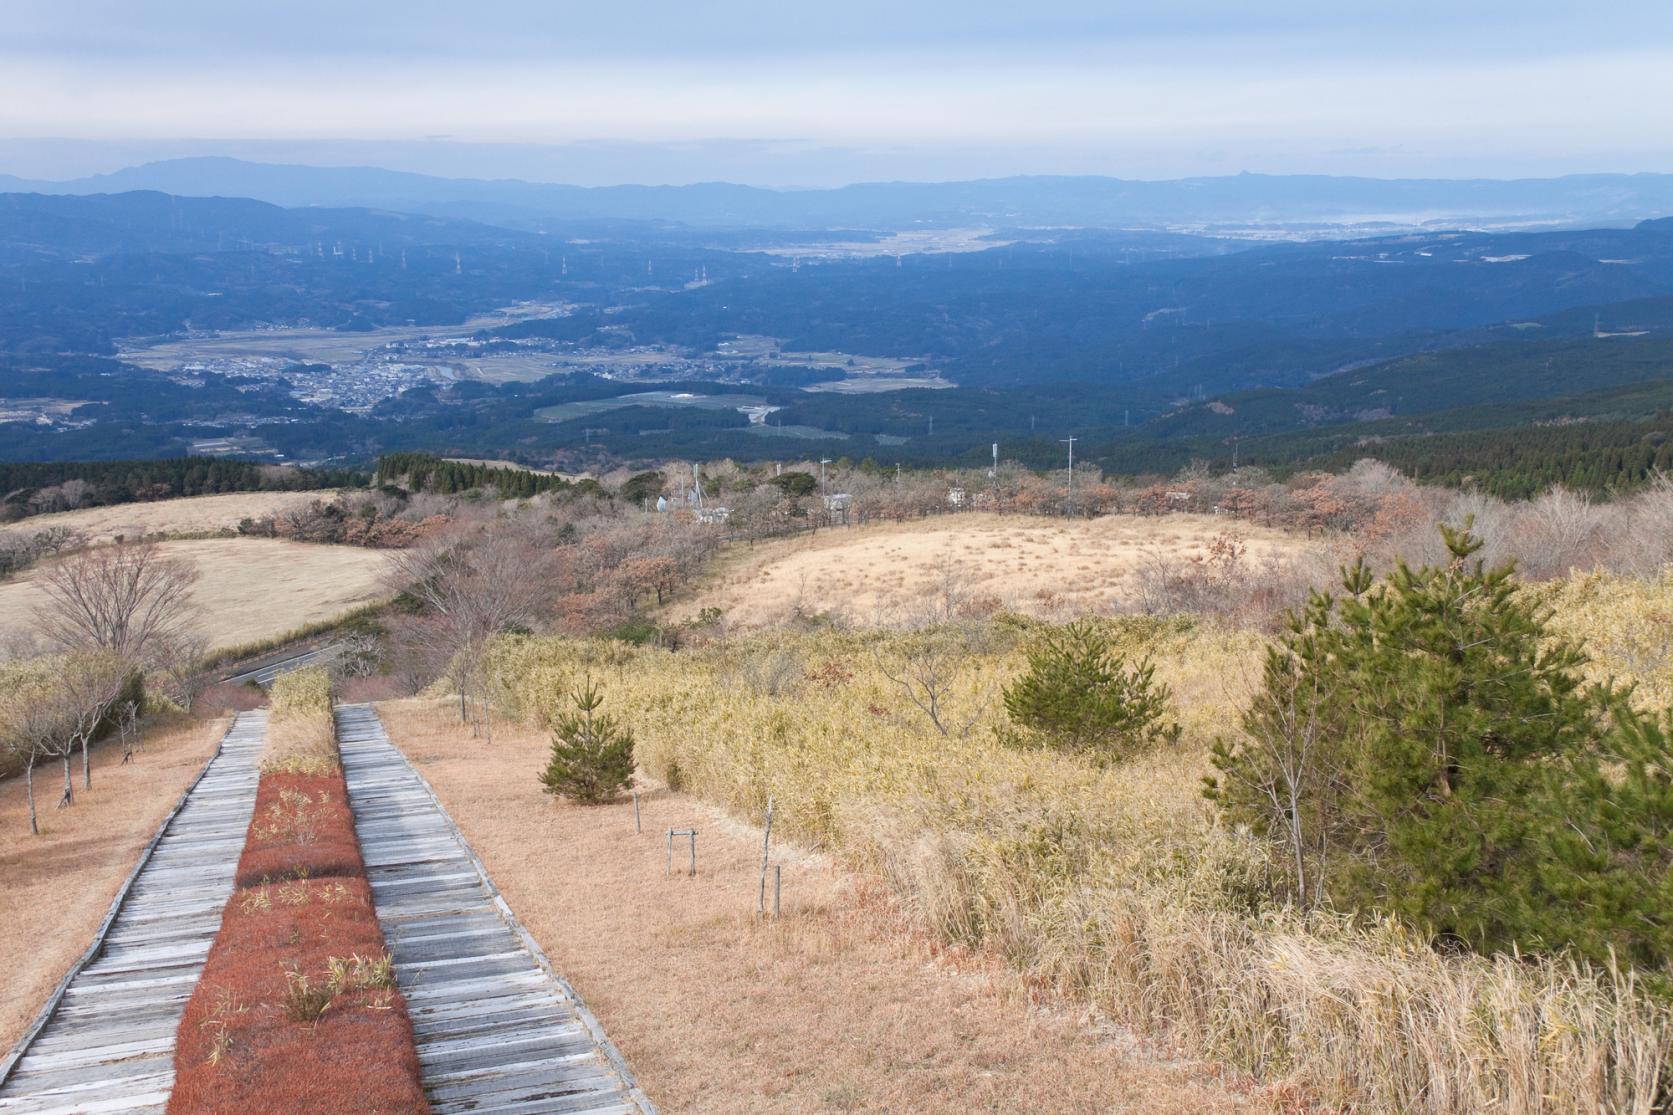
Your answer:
<point x="778" y="886"/>
<point x="690" y="834"/>
<point x="636" y="826"/>
<point x="766" y="840"/>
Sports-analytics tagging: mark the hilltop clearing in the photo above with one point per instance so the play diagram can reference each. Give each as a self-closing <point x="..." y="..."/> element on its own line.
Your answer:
<point x="1042" y="567"/>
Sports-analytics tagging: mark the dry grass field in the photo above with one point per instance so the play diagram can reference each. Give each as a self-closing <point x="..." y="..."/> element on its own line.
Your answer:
<point x="195" y="515"/>
<point x="55" y="887"/>
<point x="837" y="1007"/>
<point x="249" y="589"/>
<point x="1046" y="567"/>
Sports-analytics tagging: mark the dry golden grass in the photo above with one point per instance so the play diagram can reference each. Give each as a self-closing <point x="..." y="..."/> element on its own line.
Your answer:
<point x="194" y="515"/>
<point x="249" y="589"/>
<point x="55" y="887"/>
<point x="838" y="1007"/>
<point x="1034" y="566"/>
<point x="301" y="733"/>
<point x="1116" y="887"/>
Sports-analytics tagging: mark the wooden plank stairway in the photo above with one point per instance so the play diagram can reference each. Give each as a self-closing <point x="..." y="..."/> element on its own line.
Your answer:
<point x="105" y="1042"/>
<point x="498" y="1030"/>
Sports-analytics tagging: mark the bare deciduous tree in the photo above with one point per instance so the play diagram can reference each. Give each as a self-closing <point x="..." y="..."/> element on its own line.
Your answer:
<point x="86" y="692"/>
<point x="178" y="663"/>
<point x="28" y="727"/>
<point x="128" y="598"/>
<point x="473" y="585"/>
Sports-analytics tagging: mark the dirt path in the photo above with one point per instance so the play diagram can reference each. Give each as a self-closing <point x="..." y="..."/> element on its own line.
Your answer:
<point x="108" y="1044"/>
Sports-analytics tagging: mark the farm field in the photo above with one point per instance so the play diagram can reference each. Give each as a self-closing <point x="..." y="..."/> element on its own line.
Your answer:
<point x="60" y="883"/>
<point x="718" y="1011"/>
<point x="249" y="589"/>
<point x="191" y="515"/>
<point x="1044" y="567"/>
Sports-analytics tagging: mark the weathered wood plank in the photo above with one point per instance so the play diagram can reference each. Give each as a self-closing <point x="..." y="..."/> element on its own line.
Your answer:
<point x="105" y="1041"/>
<point x="497" y="1028"/>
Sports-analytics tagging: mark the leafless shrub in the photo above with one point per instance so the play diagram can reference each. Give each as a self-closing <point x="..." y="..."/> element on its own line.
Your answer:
<point x="472" y="584"/>
<point x="1555" y="533"/>
<point x="928" y="665"/>
<point x="177" y="664"/>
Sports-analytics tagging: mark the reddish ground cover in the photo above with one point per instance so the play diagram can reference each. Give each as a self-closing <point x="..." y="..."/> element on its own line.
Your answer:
<point x="296" y="1010"/>
<point x="302" y="829"/>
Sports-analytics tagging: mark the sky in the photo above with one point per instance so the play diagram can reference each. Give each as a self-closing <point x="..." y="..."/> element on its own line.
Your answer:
<point x="796" y="94"/>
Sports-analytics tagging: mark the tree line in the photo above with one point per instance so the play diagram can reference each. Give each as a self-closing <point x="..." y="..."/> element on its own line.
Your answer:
<point x="424" y="472"/>
<point x="36" y="488"/>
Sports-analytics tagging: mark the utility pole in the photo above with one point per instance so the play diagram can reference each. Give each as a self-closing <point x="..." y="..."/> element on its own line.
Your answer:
<point x="1070" y="442"/>
<point x="823" y="461"/>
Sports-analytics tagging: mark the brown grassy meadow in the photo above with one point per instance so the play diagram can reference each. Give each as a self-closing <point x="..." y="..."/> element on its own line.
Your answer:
<point x="188" y="515"/>
<point x="1118" y="888"/>
<point x="1015" y="563"/>
<point x="249" y="589"/>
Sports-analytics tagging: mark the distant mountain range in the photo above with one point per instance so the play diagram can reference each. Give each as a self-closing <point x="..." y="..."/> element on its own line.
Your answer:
<point x="1294" y="204"/>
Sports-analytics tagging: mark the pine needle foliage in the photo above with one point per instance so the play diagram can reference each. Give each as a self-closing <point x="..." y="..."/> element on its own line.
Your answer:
<point x="1079" y="695"/>
<point x="1425" y="747"/>
<point x="592" y="754"/>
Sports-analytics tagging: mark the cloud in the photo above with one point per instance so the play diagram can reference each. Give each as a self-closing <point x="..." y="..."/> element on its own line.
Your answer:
<point x="1065" y="83"/>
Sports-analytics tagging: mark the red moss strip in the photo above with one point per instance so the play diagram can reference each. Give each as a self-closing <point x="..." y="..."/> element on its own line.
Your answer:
<point x="296" y="1010"/>
<point x="302" y="829"/>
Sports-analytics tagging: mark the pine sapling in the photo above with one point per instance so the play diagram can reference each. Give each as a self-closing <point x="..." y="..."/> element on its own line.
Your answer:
<point x="592" y="754"/>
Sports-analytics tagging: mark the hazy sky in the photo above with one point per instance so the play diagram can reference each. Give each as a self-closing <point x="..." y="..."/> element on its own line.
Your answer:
<point x="786" y="93"/>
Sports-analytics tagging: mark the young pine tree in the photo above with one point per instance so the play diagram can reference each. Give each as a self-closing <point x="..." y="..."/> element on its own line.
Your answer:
<point x="1079" y="695"/>
<point x="1412" y="751"/>
<point x="592" y="755"/>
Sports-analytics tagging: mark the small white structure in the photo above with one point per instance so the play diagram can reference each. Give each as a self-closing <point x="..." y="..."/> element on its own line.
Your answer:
<point x="955" y="497"/>
<point x="714" y="516"/>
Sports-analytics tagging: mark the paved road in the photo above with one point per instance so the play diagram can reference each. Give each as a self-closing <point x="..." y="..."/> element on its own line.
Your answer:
<point x="108" y="1045"/>
<point x="264" y="675"/>
<point x="497" y="1029"/>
